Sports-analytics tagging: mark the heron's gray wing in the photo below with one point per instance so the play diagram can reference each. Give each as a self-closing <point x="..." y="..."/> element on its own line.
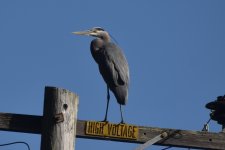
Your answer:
<point x="118" y="64"/>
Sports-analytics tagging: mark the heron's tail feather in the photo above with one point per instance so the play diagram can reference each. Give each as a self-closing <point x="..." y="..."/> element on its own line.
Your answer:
<point x="121" y="94"/>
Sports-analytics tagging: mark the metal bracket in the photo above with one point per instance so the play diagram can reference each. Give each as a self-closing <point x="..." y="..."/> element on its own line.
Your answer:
<point x="59" y="118"/>
<point x="152" y="141"/>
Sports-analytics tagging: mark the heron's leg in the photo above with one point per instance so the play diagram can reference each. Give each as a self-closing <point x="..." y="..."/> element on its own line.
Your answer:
<point x="121" y="113"/>
<point x="107" y="107"/>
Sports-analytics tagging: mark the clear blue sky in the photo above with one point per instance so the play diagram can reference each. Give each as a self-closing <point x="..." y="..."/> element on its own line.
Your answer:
<point x="175" y="51"/>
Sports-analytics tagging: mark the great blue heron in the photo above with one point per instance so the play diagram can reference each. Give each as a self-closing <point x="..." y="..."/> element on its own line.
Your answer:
<point x="112" y="65"/>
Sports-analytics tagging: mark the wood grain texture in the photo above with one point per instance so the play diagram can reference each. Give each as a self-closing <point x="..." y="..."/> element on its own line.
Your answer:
<point x="176" y="138"/>
<point x="20" y="123"/>
<point x="58" y="133"/>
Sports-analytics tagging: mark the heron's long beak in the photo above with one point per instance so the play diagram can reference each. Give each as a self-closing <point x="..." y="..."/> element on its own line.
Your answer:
<point x="87" y="32"/>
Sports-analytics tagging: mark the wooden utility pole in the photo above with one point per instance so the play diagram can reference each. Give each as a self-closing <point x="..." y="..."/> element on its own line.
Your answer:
<point x="59" y="119"/>
<point x="59" y="126"/>
<point x="176" y="137"/>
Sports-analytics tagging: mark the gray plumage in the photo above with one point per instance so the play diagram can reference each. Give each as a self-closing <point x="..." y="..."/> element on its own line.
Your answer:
<point x="113" y="68"/>
<point x="112" y="65"/>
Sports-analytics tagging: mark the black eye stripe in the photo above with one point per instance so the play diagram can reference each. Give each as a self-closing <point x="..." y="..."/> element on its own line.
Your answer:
<point x="98" y="28"/>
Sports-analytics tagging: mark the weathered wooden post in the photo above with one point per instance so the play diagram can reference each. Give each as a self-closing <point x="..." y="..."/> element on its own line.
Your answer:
<point x="59" y="126"/>
<point x="59" y="119"/>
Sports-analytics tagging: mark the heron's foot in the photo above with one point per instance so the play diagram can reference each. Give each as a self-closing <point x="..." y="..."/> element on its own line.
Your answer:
<point x="105" y="120"/>
<point x="122" y="122"/>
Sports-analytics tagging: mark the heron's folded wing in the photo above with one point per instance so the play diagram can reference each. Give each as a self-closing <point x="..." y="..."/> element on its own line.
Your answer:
<point x="118" y="64"/>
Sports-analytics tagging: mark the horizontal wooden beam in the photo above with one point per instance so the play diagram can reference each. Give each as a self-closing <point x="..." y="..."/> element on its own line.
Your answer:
<point x="20" y="123"/>
<point x="176" y="138"/>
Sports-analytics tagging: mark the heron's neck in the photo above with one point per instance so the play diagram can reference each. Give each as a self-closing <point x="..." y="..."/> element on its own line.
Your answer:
<point x="105" y="37"/>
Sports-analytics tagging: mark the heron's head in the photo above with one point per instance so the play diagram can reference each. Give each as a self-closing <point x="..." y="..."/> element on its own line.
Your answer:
<point x="95" y="32"/>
